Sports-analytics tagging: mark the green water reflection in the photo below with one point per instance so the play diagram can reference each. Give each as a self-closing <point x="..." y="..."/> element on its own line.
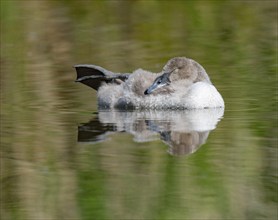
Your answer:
<point x="46" y="174"/>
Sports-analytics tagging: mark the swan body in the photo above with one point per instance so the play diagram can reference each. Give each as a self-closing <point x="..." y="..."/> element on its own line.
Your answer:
<point x="182" y="84"/>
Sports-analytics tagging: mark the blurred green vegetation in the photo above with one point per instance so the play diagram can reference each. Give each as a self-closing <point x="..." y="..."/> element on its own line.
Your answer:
<point x="46" y="174"/>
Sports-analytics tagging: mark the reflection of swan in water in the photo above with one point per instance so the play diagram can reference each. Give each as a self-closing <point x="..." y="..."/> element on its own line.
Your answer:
<point x="183" y="131"/>
<point x="184" y="143"/>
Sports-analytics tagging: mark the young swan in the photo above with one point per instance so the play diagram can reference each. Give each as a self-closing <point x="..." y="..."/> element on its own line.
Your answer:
<point x="182" y="84"/>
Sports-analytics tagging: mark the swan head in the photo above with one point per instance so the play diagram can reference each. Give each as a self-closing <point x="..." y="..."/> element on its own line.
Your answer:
<point x="176" y="69"/>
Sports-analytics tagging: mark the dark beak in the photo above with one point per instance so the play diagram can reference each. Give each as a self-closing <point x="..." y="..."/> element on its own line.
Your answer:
<point x="159" y="82"/>
<point x="146" y="92"/>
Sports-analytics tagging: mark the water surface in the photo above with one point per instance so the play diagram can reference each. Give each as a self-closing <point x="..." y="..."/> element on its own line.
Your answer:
<point x="61" y="158"/>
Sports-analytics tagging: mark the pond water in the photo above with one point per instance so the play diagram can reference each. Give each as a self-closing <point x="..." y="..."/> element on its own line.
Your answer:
<point x="61" y="158"/>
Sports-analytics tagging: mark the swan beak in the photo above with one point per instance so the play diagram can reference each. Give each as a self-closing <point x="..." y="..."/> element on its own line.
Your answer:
<point x="159" y="82"/>
<point x="150" y="89"/>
